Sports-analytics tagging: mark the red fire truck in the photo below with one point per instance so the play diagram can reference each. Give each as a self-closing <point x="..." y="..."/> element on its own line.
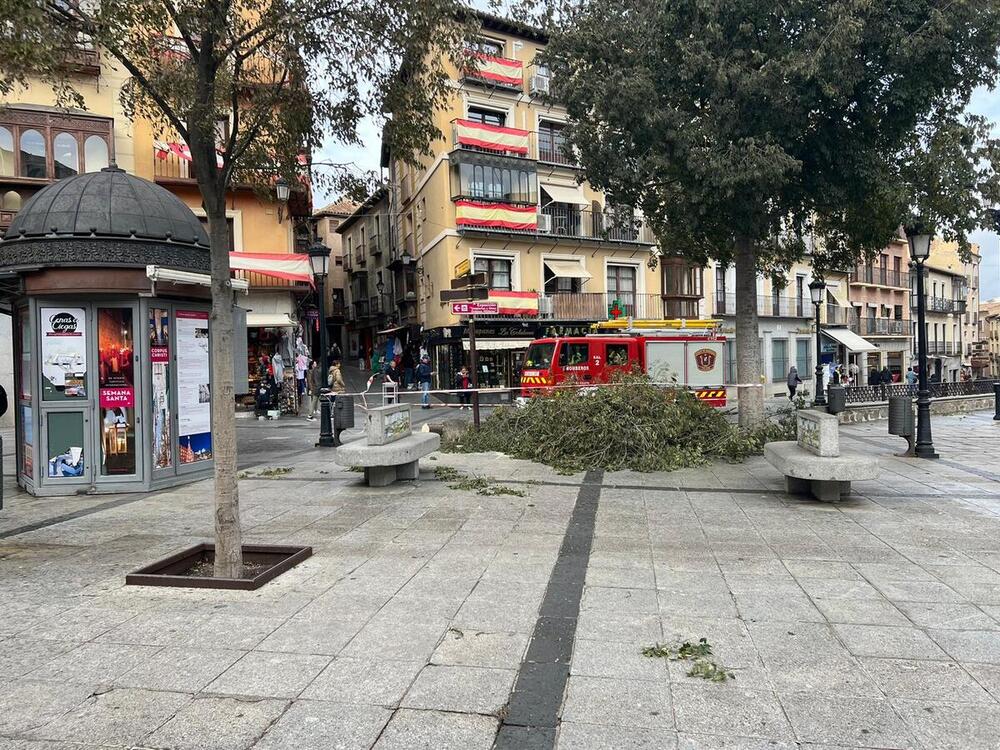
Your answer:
<point x="690" y="353"/>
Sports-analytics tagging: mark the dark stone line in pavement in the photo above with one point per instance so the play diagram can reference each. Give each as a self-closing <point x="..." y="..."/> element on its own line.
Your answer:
<point x="532" y="713"/>
<point x="983" y="473"/>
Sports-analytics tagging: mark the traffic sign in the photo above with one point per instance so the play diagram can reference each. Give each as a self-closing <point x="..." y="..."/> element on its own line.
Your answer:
<point x="469" y="293"/>
<point x="475" y="308"/>
<point x="469" y="279"/>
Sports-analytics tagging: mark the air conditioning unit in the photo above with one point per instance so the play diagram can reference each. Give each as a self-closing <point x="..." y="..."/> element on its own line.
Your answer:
<point x="539" y="85"/>
<point x="544" y="223"/>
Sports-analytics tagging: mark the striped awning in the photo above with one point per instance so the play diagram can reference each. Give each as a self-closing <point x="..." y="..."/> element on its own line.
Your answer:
<point x="472" y="213"/>
<point x="493" y="137"/>
<point x="496" y="69"/>
<point x="288" y="266"/>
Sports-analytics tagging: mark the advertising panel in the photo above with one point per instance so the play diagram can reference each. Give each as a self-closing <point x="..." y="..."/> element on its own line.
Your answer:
<point x="65" y="444"/>
<point x="64" y="353"/>
<point x="159" y="357"/>
<point x="194" y="394"/>
<point x="116" y="389"/>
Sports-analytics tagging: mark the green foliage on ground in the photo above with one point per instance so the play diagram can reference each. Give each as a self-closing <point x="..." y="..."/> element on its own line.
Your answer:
<point x="632" y="425"/>
<point x="697" y="653"/>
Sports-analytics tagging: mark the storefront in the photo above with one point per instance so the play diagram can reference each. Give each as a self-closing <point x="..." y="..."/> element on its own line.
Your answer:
<point x="112" y="337"/>
<point x="500" y="348"/>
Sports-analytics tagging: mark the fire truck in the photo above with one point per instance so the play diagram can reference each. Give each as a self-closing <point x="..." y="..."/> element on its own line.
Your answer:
<point x="687" y="353"/>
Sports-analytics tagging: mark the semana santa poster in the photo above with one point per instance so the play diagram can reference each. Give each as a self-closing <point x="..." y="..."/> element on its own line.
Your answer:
<point x="194" y="394"/>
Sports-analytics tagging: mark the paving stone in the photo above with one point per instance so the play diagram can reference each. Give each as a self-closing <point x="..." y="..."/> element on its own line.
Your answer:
<point x="397" y="638"/>
<point x="847" y="720"/>
<point x="364" y="681"/>
<point x="610" y="702"/>
<point x="79" y="624"/>
<point x="919" y="591"/>
<point x="987" y="675"/>
<point x="476" y="648"/>
<point x="27" y="705"/>
<point x="94" y="663"/>
<point x="435" y="730"/>
<point x="613" y="659"/>
<point x="208" y="723"/>
<point x="969" y="645"/>
<point x="861" y="611"/>
<point x="728" y="709"/>
<point x="18" y="656"/>
<point x="477" y="690"/>
<point x="179" y="669"/>
<point x="269" y="675"/>
<point x="121" y="716"/>
<point x="631" y="600"/>
<point x="947" y="615"/>
<point x="908" y="678"/>
<point x="309" y="635"/>
<point x="688" y="741"/>
<point x="951" y="726"/>
<point x="574" y="736"/>
<point x="895" y="642"/>
<point x="833" y="588"/>
<point x="322" y="725"/>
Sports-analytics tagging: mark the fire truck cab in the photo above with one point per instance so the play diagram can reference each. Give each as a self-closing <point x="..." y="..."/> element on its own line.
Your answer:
<point x="687" y="353"/>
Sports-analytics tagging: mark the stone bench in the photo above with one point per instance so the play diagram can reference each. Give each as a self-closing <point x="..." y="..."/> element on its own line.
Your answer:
<point x="826" y="478"/>
<point x="814" y="464"/>
<point x="384" y="464"/>
<point x="391" y="450"/>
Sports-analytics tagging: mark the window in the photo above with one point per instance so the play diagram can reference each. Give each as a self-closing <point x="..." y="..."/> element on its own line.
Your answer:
<point x="338" y="260"/>
<point x="552" y="142"/>
<point x="497" y="270"/>
<point x="33" y="154"/>
<point x="779" y="360"/>
<point x="95" y="154"/>
<point x="65" y="155"/>
<point x="6" y="152"/>
<point x="730" y="362"/>
<point x="560" y="284"/>
<point x="488" y="182"/>
<point x="720" y="290"/>
<point x="485" y="46"/>
<point x="11" y="201"/>
<point x="617" y="355"/>
<point x="803" y="357"/>
<point x="621" y="287"/>
<point x="487" y="116"/>
<point x="230" y="222"/>
<point x="571" y="355"/>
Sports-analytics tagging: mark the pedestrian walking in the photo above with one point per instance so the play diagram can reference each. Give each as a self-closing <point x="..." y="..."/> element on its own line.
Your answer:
<point x="463" y="384"/>
<point x="793" y="382"/>
<point x="301" y="366"/>
<point x="335" y="378"/>
<point x="424" y="373"/>
<point x="874" y="376"/>
<point x="314" y="384"/>
<point x="885" y="378"/>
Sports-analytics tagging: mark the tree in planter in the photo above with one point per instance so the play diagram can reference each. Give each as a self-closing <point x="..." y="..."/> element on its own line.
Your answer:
<point x="282" y="75"/>
<point x="750" y="131"/>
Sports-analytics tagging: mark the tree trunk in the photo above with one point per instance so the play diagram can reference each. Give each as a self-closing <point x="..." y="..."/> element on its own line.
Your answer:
<point x="228" y="534"/>
<point x="748" y="354"/>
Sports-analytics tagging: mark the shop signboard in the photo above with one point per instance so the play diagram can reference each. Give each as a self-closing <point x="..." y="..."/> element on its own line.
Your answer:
<point x="159" y="358"/>
<point x="64" y="353"/>
<point x="194" y="395"/>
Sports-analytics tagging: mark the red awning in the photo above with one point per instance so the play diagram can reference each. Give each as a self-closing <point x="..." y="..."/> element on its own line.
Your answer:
<point x="288" y="266"/>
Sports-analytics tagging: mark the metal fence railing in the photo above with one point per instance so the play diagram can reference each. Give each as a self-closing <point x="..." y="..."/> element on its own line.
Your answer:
<point x="873" y="394"/>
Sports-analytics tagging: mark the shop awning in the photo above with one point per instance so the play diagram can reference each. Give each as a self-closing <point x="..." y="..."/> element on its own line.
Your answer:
<point x="289" y="266"/>
<point x="484" y="344"/>
<point x="572" y="194"/>
<point x="568" y="269"/>
<point x="269" y="320"/>
<point x="387" y="331"/>
<point x="852" y="341"/>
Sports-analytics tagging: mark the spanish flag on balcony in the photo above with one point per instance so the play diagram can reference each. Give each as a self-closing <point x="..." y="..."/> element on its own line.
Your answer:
<point x="472" y="213"/>
<point x="496" y="69"/>
<point x="493" y="137"/>
<point x="515" y="303"/>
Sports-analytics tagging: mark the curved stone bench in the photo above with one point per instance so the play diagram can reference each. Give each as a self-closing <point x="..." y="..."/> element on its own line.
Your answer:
<point x="384" y="464"/>
<point x="826" y="477"/>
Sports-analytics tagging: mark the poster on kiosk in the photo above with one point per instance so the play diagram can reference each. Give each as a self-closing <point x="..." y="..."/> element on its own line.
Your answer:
<point x="194" y="394"/>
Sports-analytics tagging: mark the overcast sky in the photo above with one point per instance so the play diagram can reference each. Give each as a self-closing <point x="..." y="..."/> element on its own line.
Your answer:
<point x="987" y="103"/>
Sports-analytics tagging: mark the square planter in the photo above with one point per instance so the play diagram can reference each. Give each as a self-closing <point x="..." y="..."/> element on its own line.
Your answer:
<point x="271" y="560"/>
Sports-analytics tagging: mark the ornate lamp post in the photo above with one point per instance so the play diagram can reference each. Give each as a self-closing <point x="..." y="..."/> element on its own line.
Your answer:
<point x="319" y="258"/>
<point x="817" y="290"/>
<point x="920" y="250"/>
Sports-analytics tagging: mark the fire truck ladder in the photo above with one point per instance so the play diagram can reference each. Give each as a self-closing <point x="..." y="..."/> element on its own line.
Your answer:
<point x="639" y="327"/>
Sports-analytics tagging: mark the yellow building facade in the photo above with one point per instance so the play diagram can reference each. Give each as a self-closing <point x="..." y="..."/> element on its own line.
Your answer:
<point x="502" y="196"/>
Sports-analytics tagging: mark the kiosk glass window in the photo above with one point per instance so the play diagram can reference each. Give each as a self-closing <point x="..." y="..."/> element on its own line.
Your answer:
<point x="116" y="389"/>
<point x="65" y="445"/>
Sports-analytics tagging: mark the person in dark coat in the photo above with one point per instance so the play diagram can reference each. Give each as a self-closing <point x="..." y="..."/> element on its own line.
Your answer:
<point x="874" y="377"/>
<point x="463" y="384"/>
<point x="793" y="382"/>
<point x="886" y="376"/>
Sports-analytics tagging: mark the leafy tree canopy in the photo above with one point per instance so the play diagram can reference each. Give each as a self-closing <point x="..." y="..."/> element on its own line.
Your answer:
<point x="781" y="122"/>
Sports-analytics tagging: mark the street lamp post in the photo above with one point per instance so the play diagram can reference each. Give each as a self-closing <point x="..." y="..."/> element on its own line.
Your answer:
<point x="920" y="250"/>
<point x="817" y="290"/>
<point x="319" y="258"/>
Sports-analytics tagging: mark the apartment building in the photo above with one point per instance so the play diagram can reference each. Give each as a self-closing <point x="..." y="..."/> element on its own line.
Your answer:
<point x="879" y="298"/>
<point x="500" y="195"/>
<point x="41" y="143"/>
<point x="989" y="316"/>
<point x="947" y="256"/>
<point x="945" y="293"/>
<point x="325" y="222"/>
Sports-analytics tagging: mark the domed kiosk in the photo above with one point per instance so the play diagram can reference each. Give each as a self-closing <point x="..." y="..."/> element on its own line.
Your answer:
<point x="106" y="277"/>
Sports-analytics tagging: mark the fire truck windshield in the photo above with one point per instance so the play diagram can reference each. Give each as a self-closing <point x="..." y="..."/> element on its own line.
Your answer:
<point x="539" y="356"/>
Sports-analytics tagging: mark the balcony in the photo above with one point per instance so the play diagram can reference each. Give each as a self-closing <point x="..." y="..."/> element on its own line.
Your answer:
<point x="490" y="139"/>
<point x="553" y="221"/>
<point x="493" y="71"/>
<point x="881" y="327"/>
<point x="767" y="307"/>
<point x="169" y="167"/>
<point x="375" y="245"/>
<point x="941" y="305"/>
<point x="600" y="306"/>
<point x="944" y="348"/>
<point x="839" y="316"/>
<point x="879" y="276"/>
